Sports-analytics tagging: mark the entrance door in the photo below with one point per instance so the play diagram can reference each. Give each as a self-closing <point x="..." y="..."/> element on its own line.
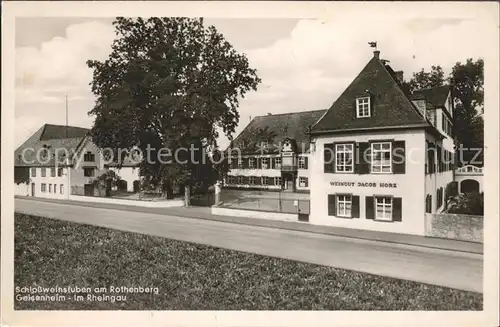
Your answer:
<point x="289" y="184"/>
<point x="88" y="190"/>
<point x="32" y="189"/>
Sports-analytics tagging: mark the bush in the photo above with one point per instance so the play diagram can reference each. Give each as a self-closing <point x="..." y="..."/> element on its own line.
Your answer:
<point x="451" y="190"/>
<point x="468" y="204"/>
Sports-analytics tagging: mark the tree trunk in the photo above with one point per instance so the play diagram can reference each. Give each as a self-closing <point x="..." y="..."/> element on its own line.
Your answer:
<point x="187" y="195"/>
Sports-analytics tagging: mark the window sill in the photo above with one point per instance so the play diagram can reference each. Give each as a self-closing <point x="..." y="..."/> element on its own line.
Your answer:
<point x="383" y="220"/>
<point x="342" y="217"/>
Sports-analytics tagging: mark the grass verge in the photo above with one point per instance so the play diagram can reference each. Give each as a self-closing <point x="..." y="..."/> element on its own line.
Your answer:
<point x="50" y="253"/>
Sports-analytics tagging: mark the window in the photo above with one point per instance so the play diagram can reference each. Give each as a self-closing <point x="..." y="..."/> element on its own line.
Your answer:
<point x="277" y="162"/>
<point x="303" y="181"/>
<point x="302" y="163"/>
<point x="277" y="180"/>
<point x="446" y="125"/>
<point x="343" y="155"/>
<point x="89" y="157"/>
<point x="240" y="180"/>
<point x="252" y="180"/>
<point x="33" y="172"/>
<point x="52" y="172"/>
<point x="50" y="188"/>
<point x="251" y="163"/>
<point x="428" y="203"/>
<point x="363" y="107"/>
<point x="240" y="162"/>
<point x="55" y="188"/>
<point x="44" y="172"/>
<point x="265" y="180"/>
<point x="88" y="172"/>
<point x="265" y="163"/>
<point x="381" y="157"/>
<point x="59" y="172"/>
<point x="344" y="206"/>
<point x="61" y="188"/>
<point x="43" y="187"/>
<point x="383" y="208"/>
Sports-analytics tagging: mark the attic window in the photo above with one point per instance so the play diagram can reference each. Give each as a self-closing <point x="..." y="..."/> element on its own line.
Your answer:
<point x="363" y="107"/>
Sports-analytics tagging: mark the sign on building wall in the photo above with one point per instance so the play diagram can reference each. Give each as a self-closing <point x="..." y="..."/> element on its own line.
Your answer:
<point x="363" y="184"/>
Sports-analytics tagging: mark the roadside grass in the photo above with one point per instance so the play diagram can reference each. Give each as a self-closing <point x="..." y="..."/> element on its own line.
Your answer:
<point x="189" y="276"/>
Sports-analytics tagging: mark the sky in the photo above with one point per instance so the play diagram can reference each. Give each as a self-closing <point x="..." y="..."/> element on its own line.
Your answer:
<point x="304" y="64"/>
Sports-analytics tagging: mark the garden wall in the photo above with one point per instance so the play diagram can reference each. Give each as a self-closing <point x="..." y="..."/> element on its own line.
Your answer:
<point x="455" y="226"/>
<point x="139" y="203"/>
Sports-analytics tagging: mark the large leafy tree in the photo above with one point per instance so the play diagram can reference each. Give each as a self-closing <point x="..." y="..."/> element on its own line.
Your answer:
<point x="425" y="80"/>
<point x="168" y="83"/>
<point x="467" y="80"/>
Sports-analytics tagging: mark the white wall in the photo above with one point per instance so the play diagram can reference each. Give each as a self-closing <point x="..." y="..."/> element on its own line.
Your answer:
<point x="255" y="214"/>
<point x="138" y="203"/>
<point x="22" y="189"/>
<point x="439" y="179"/>
<point x="38" y="180"/>
<point x="409" y="186"/>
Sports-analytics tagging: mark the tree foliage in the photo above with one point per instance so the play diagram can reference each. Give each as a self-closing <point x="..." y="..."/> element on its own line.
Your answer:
<point x="467" y="204"/>
<point x="466" y="80"/>
<point x="425" y="80"/>
<point x="167" y="83"/>
<point x="107" y="181"/>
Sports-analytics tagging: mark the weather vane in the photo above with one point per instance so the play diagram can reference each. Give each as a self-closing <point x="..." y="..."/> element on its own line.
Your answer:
<point x="373" y="44"/>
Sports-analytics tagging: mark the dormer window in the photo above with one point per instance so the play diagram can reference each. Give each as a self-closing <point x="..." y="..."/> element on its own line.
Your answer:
<point x="363" y="107"/>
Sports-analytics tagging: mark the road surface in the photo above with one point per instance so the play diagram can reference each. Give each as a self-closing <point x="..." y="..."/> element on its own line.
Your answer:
<point x="458" y="270"/>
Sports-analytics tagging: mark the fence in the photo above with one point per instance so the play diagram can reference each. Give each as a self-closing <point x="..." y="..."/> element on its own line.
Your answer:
<point x="455" y="226"/>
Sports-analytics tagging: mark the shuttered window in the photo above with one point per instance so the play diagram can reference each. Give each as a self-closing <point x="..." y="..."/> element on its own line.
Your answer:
<point x="343" y="205"/>
<point x="384" y="208"/>
<point x="381" y="157"/>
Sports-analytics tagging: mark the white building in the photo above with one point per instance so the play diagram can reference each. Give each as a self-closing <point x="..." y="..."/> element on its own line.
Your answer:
<point x="59" y="161"/>
<point x="398" y="180"/>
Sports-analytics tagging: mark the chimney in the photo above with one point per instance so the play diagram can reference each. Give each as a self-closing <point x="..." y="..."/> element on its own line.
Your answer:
<point x="269" y="114"/>
<point x="399" y="76"/>
<point x="376" y="54"/>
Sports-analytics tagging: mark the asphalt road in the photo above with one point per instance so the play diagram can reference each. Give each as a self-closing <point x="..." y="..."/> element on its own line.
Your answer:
<point x="433" y="266"/>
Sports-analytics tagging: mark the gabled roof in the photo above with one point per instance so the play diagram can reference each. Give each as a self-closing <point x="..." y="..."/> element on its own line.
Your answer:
<point x="390" y="106"/>
<point x="51" y="137"/>
<point x="289" y="125"/>
<point x="435" y="96"/>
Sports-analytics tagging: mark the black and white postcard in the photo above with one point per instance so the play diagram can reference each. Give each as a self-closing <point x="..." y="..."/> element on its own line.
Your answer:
<point x="250" y="164"/>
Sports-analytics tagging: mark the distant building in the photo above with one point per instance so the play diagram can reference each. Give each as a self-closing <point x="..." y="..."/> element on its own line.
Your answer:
<point x="40" y="173"/>
<point x="274" y="153"/>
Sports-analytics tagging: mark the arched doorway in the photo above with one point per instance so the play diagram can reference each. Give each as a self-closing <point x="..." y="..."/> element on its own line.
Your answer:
<point x="469" y="186"/>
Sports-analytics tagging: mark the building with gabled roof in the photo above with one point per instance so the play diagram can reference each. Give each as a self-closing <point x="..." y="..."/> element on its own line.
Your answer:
<point x="274" y="152"/>
<point x="382" y="157"/>
<point x="58" y="161"/>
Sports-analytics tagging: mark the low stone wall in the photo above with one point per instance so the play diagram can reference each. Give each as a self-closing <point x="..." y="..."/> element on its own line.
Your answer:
<point x="455" y="226"/>
<point x="254" y="214"/>
<point x="138" y="203"/>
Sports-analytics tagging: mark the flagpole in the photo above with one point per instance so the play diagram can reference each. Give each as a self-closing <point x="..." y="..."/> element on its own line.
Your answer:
<point x="66" y="116"/>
